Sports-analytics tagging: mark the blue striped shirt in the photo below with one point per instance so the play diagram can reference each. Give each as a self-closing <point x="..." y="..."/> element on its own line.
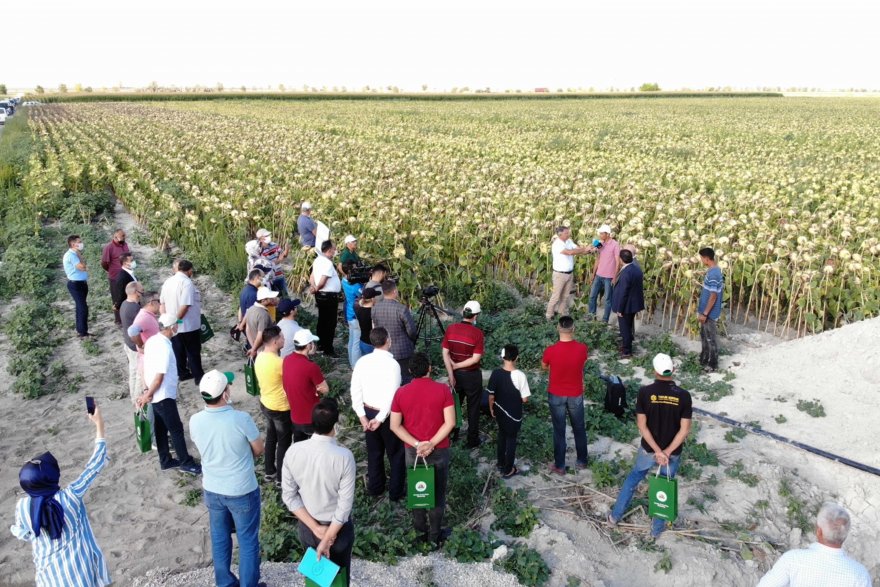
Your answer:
<point x="74" y="560"/>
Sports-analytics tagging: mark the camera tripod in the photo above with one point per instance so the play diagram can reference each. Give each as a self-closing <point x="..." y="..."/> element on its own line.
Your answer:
<point x="428" y="330"/>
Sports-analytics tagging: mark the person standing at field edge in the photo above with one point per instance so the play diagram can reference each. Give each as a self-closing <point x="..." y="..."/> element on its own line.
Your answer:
<point x="180" y="296"/>
<point x="395" y="317"/>
<point x="326" y="286"/>
<point x="563" y="250"/>
<point x="462" y="351"/>
<point x="604" y="271"/>
<point x="627" y="300"/>
<point x="709" y="310"/>
<point x="111" y="262"/>
<point x="78" y="282"/>
<point x="306" y="226"/>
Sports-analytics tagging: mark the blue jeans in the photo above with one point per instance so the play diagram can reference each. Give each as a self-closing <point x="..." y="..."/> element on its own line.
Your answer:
<point x="280" y="285"/>
<point x="644" y="463"/>
<point x="573" y="407"/>
<point x="241" y="515"/>
<point x="79" y="291"/>
<point x="600" y="283"/>
<point x="366" y="349"/>
<point x="354" y="342"/>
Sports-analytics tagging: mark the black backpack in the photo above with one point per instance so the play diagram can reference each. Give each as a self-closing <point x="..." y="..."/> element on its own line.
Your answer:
<point x="615" y="396"/>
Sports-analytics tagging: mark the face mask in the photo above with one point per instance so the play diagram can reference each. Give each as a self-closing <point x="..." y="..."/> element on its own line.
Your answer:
<point x="79" y="246"/>
<point x="228" y="399"/>
<point x="133" y="265"/>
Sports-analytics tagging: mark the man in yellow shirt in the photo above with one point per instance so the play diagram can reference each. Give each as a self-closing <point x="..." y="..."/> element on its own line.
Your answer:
<point x="273" y="402"/>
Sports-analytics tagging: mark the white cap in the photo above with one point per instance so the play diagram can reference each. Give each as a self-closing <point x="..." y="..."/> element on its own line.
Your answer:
<point x="167" y="320"/>
<point x="263" y="233"/>
<point x="306" y="206"/>
<point x="252" y="248"/>
<point x="473" y="307"/>
<point x="303" y="337"/>
<point x="264" y="293"/>
<point x="214" y="383"/>
<point x="350" y="239"/>
<point x="663" y="365"/>
<point x="604" y="228"/>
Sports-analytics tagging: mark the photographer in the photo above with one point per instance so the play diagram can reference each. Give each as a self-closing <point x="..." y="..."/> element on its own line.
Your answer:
<point x="326" y="286"/>
<point x="397" y="319"/>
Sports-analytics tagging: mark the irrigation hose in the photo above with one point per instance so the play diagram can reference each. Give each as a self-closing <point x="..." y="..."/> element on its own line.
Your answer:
<point x="794" y="443"/>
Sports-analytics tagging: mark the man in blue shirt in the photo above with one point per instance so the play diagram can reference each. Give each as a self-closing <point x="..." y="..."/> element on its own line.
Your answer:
<point x="307" y="228"/>
<point x="352" y="292"/>
<point x="228" y="441"/>
<point x="709" y="309"/>
<point x="77" y="282"/>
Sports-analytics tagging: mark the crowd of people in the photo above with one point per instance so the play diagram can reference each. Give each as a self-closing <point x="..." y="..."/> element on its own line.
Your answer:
<point x="406" y="416"/>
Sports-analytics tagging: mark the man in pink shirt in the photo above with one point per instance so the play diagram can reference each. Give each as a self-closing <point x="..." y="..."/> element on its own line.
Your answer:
<point x="604" y="270"/>
<point x="145" y="325"/>
<point x="112" y="263"/>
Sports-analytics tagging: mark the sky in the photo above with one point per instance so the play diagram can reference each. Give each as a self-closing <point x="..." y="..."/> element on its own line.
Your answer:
<point x="827" y="44"/>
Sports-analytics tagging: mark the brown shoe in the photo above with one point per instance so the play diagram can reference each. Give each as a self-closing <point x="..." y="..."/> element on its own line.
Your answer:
<point x="556" y="470"/>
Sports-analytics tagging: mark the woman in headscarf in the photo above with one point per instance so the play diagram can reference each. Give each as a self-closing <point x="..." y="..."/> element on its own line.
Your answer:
<point x="55" y="522"/>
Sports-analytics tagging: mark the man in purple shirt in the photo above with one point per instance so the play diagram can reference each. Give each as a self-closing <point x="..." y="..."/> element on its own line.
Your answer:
<point x="604" y="270"/>
<point x="111" y="261"/>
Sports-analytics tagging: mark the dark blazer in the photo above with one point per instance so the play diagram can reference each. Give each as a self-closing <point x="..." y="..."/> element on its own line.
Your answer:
<point x="118" y="291"/>
<point x="628" y="296"/>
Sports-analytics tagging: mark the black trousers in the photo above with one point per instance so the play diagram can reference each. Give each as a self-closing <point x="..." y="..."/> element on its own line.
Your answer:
<point x="469" y="385"/>
<point x="508" y="431"/>
<point x="279" y="433"/>
<point x="166" y="419"/>
<point x="405" y="376"/>
<point x="328" y="311"/>
<point x="429" y="523"/>
<point x="302" y="432"/>
<point x="380" y="442"/>
<point x="627" y="325"/>
<point x="340" y="551"/>
<point x="188" y="353"/>
<point x="79" y="291"/>
<point x="116" y="318"/>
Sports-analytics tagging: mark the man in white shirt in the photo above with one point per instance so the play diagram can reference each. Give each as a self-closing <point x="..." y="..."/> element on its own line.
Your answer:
<point x="563" y="249"/>
<point x="824" y="563"/>
<point x="325" y="284"/>
<point x="160" y="377"/>
<point x="374" y="382"/>
<point x="180" y="297"/>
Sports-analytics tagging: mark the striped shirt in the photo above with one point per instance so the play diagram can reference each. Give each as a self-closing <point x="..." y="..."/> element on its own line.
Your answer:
<point x="463" y="340"/>
<point x="271" y="254"/>
<point x="74" y="560"/>
<point x="816" y="566"/>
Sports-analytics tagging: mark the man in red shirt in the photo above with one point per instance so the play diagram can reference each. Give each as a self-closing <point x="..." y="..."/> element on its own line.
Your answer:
<point x="462" y="351"/>
<point x="112" y="264"/>
<point x="303" y="382"/>
<point x="422" y="416"/>
<point x="565" y="393"/>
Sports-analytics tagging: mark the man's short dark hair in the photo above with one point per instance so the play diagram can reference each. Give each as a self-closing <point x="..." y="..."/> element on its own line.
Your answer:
<point x="151" y="296"/>
<point x="325" y="415"/>
<point x="270" y="334"/>
<point x="213" y="401"/>
<point x="388" y="287"/>
<point x="566" y="323"/>
<point x="348" y="266"/>
<point x="184" y="265"/>
<point x="561" y="229"/>
<point x="72" y="239"/>
<point x="254" y="274"/>
<point x="124" y="257"/>
<point x="626" y="256"/>
<point x="708" y="252"/>
<point x="419" y="365"/>
<point x="326" y="246"/>
<point x="378" y="337"/>
<point x="511" y="352"/>
<point x="379" y="267"/>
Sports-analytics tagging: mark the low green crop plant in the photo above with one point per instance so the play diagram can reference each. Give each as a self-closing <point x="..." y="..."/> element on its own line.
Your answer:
<point x="813" y="408"/>
<point x="467" y="546"/>
<point x="513" y="513"/>
<point x="527" y="564"/>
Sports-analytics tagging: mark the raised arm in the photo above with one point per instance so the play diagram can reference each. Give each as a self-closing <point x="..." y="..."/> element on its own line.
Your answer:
<point x="98" y="460"/>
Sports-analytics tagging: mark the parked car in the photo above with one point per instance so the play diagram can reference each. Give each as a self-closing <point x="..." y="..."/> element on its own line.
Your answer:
<point x="2" y="116"/>
<point x="8" y="107"/>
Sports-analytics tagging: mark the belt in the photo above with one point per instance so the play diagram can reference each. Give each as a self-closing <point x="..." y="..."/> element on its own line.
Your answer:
<point x="372" y="408"/>
<point x="563" y="272"/>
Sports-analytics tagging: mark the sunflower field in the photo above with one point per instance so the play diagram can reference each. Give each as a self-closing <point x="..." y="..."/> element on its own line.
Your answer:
<point x="465" y="193"/>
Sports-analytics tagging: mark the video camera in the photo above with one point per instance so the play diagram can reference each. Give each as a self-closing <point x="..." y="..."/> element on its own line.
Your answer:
<point x="429" y="292"/>
<point x="360" y="274"/>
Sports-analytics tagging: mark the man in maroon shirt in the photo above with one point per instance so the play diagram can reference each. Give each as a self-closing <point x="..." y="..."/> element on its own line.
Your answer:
<point x="422" y="416"/>
<point x="565" y="393"/>
<point x="462" y="351"/>
<point x="303" y="382"/>
<point x="112" y="264"/>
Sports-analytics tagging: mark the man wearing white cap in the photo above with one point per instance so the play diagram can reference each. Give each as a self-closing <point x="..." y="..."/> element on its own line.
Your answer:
<point x="303" y="383"/>
<point x="257" y="319"/>
<point x="350" y="251"/>
<point x="306" y="226"/>
<point x="271" y="252"/>
<point x="563" y="249"/>
<point x="462" y="351"/>
<point x="604" y="271"/>
<point x="663" y="414"/>
<point x="228" y="441"/>
<point x="160" y="377"/>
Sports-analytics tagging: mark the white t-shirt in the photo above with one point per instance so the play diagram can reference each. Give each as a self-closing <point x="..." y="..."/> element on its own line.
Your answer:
<point x="288" y="328"/>
<point x="159" y="358"/>
<point x="564" y="263"/>
<point x="179" y="290"/>
<point x="324" y="266"/>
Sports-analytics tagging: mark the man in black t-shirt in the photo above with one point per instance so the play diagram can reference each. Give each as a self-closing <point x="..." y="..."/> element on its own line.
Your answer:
<point x="663" y="413"/>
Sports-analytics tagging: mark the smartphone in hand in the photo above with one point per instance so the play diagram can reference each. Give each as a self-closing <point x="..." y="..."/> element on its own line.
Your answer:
<point x="90" y="405"/>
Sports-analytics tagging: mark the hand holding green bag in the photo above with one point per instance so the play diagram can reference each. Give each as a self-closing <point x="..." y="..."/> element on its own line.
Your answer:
<point x="251" y="385"/>
<point x="420" y="486"/>
<point x="142" y="431"/>
<point x="663" y="496"/>
<point x="206" y="333"/>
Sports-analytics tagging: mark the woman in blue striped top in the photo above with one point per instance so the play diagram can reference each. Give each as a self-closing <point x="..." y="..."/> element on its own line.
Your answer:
<point x="55" y="522"/>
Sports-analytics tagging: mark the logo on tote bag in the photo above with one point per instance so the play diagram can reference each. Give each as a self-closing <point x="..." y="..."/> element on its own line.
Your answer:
<point x="421" y="486"/>
<point x="661" y="496"/>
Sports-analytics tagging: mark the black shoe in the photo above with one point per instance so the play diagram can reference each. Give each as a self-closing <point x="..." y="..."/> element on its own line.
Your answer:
<point x="270" y="477"/>
<point x="172" y="464"/>
<point x="192" y="469"/>
<point x="186" y="375"/>
<point x="472" y="445"/>
<point x="445" y="533"/>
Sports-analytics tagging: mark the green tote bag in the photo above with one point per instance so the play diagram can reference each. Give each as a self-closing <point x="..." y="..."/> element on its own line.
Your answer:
<point x="663" y="497"/>
<point x="251" y="385"/>
<point x="420" y="486"/>
<point x="142" y="431"/>
<point x="206" y="333"/>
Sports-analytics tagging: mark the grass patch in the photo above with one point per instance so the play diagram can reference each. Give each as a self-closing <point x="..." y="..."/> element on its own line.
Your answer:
<point x="813" y="408"/>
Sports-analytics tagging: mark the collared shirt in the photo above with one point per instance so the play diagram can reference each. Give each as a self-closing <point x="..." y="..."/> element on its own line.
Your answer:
<point x="398" y="321"/>
<point x="75" y="558"/>
<point x="349" y="255"/>
<point x="268" y="370"/>
<point x="271" y="254"/>
<point x="324" y="266"/>
<point x="712" y="283"/>
<point x="816" y="566"/>
<point x="301" y="378"/>
<point x="147" y="325"/>
<point x="71" y="259"/>
<point x="608" y="255"/>
<point x="289" y="328"/>
<point x="463" y="340"/>
<point x="306" y="227"/>
<point x="223" y="437"/>
<point x="247" y="297"/>
<point x="111" y="258"/>
<point x="179" y="290"/>
<point x="564" y="263"/>
<point x="374" y="382"/>
<point x="256" y="319"/>
<point x="422" y="403"/>
<point x="319" y="475"/>
<point x="159" y="358"/>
